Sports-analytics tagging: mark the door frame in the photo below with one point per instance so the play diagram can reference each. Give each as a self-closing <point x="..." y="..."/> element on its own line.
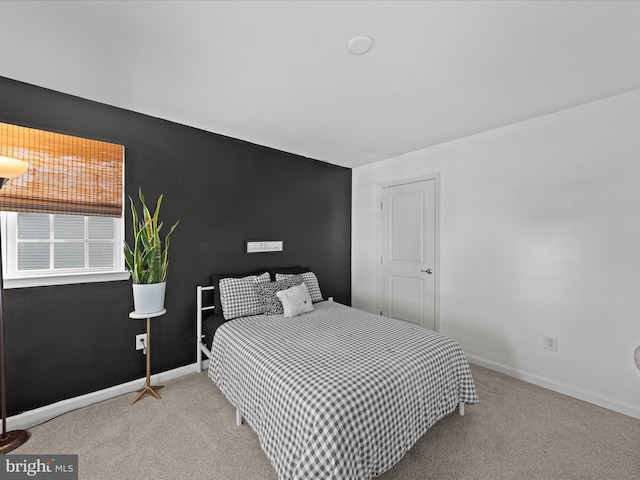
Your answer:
<point x="432" y="176"/>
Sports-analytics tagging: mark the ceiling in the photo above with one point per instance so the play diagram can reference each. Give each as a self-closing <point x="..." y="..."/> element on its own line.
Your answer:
<point x="278" y="73"/>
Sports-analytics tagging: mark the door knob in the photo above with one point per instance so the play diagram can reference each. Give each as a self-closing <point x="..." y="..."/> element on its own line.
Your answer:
<point x="428" y="270"/>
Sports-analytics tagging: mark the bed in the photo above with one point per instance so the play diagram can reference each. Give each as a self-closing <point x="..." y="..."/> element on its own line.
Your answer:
<point x="335" y="392"/>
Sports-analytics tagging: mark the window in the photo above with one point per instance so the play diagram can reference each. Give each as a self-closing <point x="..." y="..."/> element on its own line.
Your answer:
<point x="62" y="219"/>
<point x="47" y="249"/>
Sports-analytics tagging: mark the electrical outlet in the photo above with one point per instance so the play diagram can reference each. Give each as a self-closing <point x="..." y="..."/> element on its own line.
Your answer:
<point x="551" y="343"/>
<point x="141" y="341"/>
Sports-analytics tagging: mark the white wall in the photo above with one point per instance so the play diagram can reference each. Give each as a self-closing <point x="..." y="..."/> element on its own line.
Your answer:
<point x="540" y="235"/>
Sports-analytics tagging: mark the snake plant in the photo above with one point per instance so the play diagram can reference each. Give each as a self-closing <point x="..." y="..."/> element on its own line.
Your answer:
<point x="148" y="260"/>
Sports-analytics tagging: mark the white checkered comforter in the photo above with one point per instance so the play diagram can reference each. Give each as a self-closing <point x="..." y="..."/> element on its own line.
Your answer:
<point x="338" y="393"/>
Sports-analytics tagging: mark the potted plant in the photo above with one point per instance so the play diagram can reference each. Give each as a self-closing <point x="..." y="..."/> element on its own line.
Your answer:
<point x="147" y="260"/>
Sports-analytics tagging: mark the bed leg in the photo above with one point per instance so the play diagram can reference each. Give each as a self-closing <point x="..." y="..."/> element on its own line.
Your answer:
<point x="461" y="409"/>
<point x="238" y="418"/>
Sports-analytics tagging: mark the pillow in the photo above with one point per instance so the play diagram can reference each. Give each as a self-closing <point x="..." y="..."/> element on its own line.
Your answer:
<point x="215" y="281"/>
<point x="311" y="281"/>
<point x="295" y="300"/>
<point x="238" y="296"/>
<point x="287" y="270"/>
<point x="267" y="293"/>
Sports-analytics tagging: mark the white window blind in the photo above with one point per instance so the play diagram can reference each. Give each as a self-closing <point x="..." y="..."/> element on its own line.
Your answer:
<point x="40" y="245"/>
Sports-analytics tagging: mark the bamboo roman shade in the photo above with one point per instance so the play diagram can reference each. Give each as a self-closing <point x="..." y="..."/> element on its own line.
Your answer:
<point x="66" y="175"/>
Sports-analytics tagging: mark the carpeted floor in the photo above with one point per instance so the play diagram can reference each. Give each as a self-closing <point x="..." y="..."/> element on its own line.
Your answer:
<point x="518" y="431"/>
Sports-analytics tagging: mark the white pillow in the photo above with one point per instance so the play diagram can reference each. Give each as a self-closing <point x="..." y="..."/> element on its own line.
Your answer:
<point x="239" y="298"/>
<point x="310" y="280"/>
<point x="295" y="300"/>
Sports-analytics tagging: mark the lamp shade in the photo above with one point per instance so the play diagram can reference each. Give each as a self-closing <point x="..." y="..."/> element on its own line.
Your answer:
<point x="12" y="167"/>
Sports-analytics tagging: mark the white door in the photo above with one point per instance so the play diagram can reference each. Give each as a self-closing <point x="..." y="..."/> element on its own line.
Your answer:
<point x="407" y="276"/>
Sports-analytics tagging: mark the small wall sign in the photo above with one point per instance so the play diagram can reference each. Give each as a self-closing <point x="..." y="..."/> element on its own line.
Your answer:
<point x="264" y="246"/>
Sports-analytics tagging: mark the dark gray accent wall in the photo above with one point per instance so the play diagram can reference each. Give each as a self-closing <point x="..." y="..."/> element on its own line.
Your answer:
<point x="65" y="341"/>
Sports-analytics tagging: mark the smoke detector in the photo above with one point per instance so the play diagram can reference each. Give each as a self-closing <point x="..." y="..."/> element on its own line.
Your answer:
<point x="360" y="44"/>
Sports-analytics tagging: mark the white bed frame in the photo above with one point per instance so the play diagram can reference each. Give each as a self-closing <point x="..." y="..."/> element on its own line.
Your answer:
<point x="201" y="347"/>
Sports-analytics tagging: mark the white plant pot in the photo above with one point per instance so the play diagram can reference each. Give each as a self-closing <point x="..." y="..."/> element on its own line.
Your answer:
<point x="149" y="298"/>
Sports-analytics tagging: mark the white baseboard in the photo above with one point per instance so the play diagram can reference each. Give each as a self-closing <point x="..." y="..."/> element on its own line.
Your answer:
<point x="30" y="418"/>
<point x="570" y="390"/>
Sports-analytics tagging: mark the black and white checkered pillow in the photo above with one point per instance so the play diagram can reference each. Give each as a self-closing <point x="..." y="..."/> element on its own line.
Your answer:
<point x="239" y="298"/>
<point x="267" y="293"/>
<point x="311" y="281"/>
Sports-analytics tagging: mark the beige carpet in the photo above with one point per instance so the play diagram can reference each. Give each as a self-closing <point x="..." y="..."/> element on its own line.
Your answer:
<point x="518" y="431"/>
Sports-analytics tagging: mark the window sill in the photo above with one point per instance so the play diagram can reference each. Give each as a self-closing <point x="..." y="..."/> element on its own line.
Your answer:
<point x="62" y="279"/>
